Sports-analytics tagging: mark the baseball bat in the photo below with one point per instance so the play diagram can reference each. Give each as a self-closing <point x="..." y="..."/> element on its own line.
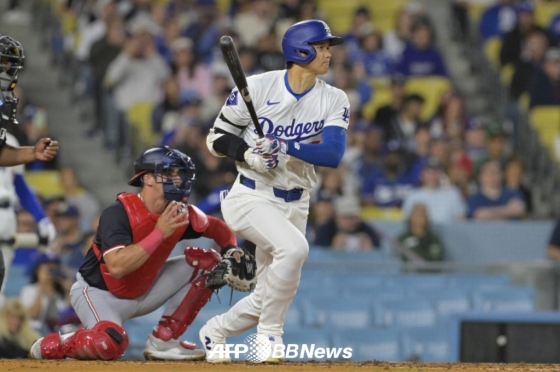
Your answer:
<point x="234" y="65"/>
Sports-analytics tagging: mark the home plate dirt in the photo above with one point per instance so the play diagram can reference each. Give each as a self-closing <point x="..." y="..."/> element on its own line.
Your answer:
<point x="133" y="366"/>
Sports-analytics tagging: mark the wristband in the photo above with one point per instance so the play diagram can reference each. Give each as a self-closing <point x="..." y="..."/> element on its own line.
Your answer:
<point x="152" y="241"/>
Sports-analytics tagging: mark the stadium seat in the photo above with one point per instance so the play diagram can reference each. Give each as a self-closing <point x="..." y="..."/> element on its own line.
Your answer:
<point x="432" y="89"/>
<point x="546" y="121"/>
<point x="404" y="313"/>
<point x="475" y="11"/>
<point x="544" y="11"/>
<point x="505" y="300"/>
<point x="330" y="311"/>
<point x="426" y="345"/>
<point x="46" y="184"/>
<point x="492" y="49"/>
<point x="339" y="14"/>
<point x="370" y="344"/>
<point x="381" y="97"/>
<point x="139" y="117"/>
<point x="384" y="13"/>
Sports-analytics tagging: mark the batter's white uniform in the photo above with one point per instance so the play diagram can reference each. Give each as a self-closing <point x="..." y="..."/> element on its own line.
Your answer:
<point x="8" y="200"/>
<point x="276" y="226"/>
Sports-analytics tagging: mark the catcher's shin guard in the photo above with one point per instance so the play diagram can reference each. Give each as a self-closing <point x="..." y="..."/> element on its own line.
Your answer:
<point x="174" y="325"/>
<point x="106" y="341"/>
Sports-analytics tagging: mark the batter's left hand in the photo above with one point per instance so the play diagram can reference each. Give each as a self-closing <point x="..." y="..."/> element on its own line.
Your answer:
<point x="271" y="145"/>
<point x="45" y="149"/>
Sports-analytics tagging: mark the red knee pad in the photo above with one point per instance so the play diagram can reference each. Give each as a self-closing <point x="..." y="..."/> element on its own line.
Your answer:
<point x="200" y="258"/>
<point x="106" y="341"/>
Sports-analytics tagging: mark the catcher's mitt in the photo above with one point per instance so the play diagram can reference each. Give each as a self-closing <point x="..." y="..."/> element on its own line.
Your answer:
<point x="239" y="276"/>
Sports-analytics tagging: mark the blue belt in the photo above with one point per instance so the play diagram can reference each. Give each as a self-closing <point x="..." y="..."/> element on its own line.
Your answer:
<point x="287" y="195"/>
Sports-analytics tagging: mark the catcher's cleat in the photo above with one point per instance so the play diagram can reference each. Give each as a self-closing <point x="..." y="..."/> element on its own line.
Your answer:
<point x="157" y="349"/>
<point x="209" y="342"/>
<point x="50" y="349"/>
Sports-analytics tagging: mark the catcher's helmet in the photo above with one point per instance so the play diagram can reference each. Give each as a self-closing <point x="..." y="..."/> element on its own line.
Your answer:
<point x="176" y="171"/>
<point x="297" y="40"/>
<point x="11" y="61"/>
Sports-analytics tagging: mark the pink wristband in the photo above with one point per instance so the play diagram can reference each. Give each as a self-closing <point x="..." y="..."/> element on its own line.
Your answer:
<point x="152" y="241"/>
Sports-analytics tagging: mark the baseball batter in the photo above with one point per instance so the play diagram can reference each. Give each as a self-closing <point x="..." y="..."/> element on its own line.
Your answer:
<point x="11" y="63"/>
<point x="305" y="122"/>
<point x="127" y="273"/>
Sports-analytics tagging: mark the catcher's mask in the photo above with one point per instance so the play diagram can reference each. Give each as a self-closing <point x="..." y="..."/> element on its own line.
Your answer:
<point x="11" y="62"/>
<point x="170" y="167"/>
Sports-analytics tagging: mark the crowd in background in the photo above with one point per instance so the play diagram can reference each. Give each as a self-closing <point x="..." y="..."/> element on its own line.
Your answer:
<point x="446" y="168"/>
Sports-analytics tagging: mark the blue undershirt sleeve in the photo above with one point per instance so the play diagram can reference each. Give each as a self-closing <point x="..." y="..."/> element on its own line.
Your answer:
<point x="27" y="198"/>
<point x="325" y="154"/>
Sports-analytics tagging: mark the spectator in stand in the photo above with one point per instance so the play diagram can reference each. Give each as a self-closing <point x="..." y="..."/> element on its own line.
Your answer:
<point x="554" y="28"/>
<point x="440" y="148"/>
<point x="354" y="84"/>
<point x="513" y="179"/>
<point x="444" y="204"/>
<point x="420" y="57"/>
<point x="168" y="107"/>
<point x="361" y="23"/>
<point x="404" y="124"/>
<point x="171" y="32"/>
<point x="69" y="238"/>
<point x="372" y="57"/>
<point x="395" y="40"/>
<point x="35" y="127"/>
<point x="475" y="139"/>
<point x="530" y="63"/>
<point x="269" y="56"/>
<point x="497" y="20"/>
<point x="190" y="74"/>
<point x="346" y="230"/>
<point x="16" y="335"/>
<point x="46" y="294"/>
<point x="205" y="31"/>
<point x="393" y="181"/>
<point x="496" y="146"/>
<point x="544" y="88"/>
<point x="221" y="90"/>
<point x="419" y="236"/>
<point x="93" y="31"/>
<point x="134" y="76"/>
<point x="422" y="142"/>
<point x="492" y="201"/>
<point x="255" y="23"/>
<point x="249" y="61"/>
<point x="87" y="204"/>
<point x="451" y="118"/>
<point x="385" y="114"/>
<point x="103" y="52"/>
<point x="514" y="39"/>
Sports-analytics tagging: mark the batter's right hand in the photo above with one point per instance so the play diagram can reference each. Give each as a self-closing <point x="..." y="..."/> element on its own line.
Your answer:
<point x="260" y="162"/>
<point x="175" y="215"/>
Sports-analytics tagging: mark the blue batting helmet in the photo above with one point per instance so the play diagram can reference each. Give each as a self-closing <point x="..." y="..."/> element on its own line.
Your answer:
<point x="297" y="40"/>
<point x="175" y="168"/>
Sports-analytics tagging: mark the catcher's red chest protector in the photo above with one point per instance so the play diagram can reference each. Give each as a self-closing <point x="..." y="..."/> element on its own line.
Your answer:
<point x="142" y="223"/>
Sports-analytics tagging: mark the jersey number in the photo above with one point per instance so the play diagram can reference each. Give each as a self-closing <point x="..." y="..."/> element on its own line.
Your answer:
<point x="346" y="114"/>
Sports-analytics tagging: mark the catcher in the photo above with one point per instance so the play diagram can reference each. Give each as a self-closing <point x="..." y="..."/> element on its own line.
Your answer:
<point x="127" y="273"/>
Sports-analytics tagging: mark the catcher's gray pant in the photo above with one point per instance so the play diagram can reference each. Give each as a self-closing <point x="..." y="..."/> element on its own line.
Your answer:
<point x="278" y="230"/>
<point x="94" y="304"/>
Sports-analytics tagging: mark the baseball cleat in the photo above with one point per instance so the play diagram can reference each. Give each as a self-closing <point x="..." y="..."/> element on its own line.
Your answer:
<point x="52" y="348"/>
<point x="274" y="341"/>
<point x="157" y="349"/>
<point x="209" y="342"/>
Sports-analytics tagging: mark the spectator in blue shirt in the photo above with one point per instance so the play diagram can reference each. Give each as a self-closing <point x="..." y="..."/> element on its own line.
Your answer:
<point x="544" y="86"/>
<point x="420" y="57"/>
<point x="392" y="183"/>
<point x="554" y="27"/>
<point x="497" y="20"/>
<point x="375" y="62"/>
<point x="361" y="23"/>
<point x="492" y="201"/>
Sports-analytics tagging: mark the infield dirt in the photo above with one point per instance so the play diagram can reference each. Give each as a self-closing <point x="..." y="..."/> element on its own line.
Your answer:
<point x="130" y="366"/>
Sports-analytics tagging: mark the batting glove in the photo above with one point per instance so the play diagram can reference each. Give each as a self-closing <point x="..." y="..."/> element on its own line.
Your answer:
<point x="260" y="162"/>
<point x="271" y="145"/>
<point x="47" y="230"/>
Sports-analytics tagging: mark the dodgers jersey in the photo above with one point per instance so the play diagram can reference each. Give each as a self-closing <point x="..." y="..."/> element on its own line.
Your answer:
<point x="283" y="115"/>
